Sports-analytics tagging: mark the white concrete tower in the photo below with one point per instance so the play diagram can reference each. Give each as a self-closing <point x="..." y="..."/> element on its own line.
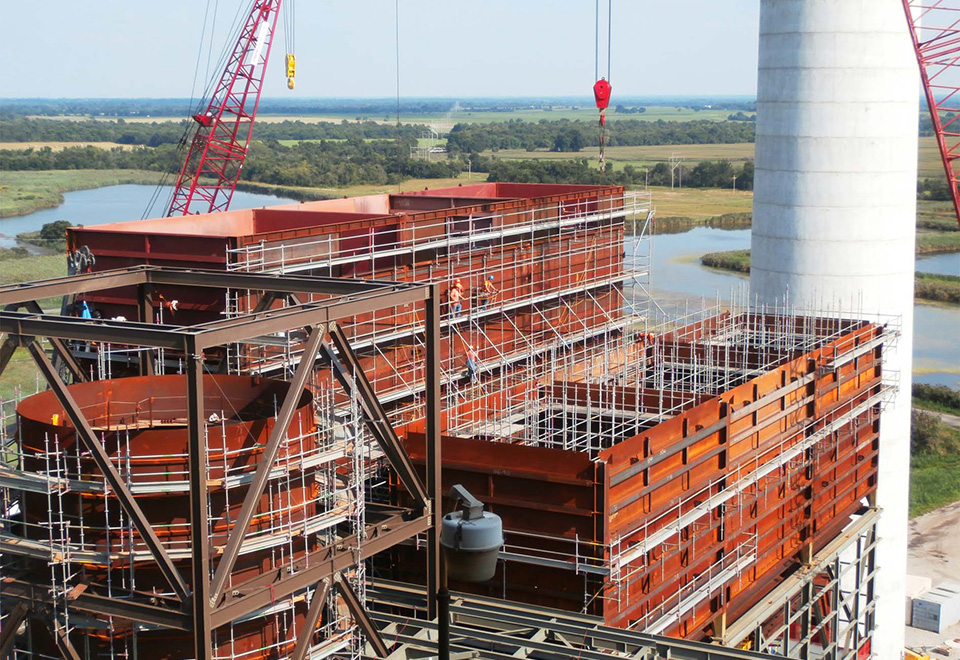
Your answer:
<point x="835" y="206"/>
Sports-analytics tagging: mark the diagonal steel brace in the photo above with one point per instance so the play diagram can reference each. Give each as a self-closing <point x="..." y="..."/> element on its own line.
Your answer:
<point x="252" y="499"/>
<point x="313" y="618"/>
<point x="375" y="417"/>
<point x="89" y="439"/>
<point x="360" y="615"/>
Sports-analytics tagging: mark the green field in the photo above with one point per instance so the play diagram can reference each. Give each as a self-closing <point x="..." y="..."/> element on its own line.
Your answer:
<point x="700" y="203"/>
<point x="639" y="157"/>
<point x="934" y="482"/>
<point x="929" y="242"/>
<point x="22" y="370"/>
<point x="26" y="192"/>
<point x="353" y="191"/>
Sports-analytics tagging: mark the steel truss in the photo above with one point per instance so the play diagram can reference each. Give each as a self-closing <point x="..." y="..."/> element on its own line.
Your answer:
<point x="935" y="30"/>
<point x="199" y="602"/>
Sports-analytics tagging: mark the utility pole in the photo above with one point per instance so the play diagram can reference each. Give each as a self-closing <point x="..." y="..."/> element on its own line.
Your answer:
<point x="734" y="183"/>
<point x="675" y="160"/>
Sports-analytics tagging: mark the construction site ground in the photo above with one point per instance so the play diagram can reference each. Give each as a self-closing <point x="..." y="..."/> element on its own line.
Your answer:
<point x="934" y="552"/>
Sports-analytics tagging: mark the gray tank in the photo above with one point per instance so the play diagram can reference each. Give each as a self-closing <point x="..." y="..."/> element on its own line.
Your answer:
<point x="471" y="539"/>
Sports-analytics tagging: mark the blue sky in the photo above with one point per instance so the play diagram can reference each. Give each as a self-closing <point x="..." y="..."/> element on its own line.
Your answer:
<point x="345" y="48"/>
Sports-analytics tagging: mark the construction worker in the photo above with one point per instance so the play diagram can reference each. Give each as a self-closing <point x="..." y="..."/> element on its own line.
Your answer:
<point x="488" y="291"/>
<point x="471" y="363"/>
<point x="455" y="298"/>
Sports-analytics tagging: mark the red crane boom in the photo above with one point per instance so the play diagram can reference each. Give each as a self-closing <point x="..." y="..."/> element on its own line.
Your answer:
<point x="210" y="172"/>
<point x="935" y="29"/>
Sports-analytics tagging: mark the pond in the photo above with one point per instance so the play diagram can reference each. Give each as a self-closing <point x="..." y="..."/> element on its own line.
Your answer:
<point x="112" y="204"/>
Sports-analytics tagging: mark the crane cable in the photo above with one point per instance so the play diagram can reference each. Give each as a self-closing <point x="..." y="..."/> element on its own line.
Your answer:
<point x="602" y="88"/>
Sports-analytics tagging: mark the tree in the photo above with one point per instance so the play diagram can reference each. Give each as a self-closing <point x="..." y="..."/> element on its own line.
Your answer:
<point x="55" y="231"/>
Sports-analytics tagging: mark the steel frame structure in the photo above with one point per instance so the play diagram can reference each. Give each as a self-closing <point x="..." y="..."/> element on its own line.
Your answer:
<point x="935" y="31"/>
<point x="220" y="143"/>
<point x="840" y="576"/>
<point x="198" y="603"/>
<point x="491" y="628"/>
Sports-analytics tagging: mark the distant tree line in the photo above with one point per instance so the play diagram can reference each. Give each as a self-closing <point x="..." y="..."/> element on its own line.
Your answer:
<point x="310" y="164"/>
<point x="517" y="134"/>
<point x="706" y="174"/>
<point x="153" y="134"/>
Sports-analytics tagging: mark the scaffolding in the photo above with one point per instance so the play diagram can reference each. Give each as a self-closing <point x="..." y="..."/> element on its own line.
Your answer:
<point x="559" y="279"/>
<point x="658" y="472"/>
<point x="100" y="481"/>
<point x="700" y="433"/>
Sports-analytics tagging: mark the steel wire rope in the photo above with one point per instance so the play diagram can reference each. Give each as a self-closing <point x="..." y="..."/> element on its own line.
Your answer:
<point x="397" y="55"/>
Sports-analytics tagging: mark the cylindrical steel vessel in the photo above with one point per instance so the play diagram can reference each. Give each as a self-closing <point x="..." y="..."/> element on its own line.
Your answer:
<point x="835" y="207"/>
<point x="142" y="423"/>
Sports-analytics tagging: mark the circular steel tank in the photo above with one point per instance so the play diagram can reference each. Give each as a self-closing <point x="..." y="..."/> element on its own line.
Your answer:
<point x="142" y="423"/>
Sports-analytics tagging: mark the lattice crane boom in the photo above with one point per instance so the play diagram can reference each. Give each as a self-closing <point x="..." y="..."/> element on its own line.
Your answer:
<point x="212" y="167"/>
<point x="935" y="29"/>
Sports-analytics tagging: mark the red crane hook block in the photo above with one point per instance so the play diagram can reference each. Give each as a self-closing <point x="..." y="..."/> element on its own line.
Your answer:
<point x="601" y="92"/>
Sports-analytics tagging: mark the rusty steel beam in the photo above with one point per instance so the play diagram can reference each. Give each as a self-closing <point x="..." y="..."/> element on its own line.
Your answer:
<point x="265" y="464"/>
<point x="361" y="617"/>
<point x="248" y="597"/>
<point x="72" y="285"/>
<point x="199" y="528"/>
<point x="10" y="345"/>
<point x="99" y="330"/>
<point x="265" y="302"/>
<point x="142" y="610"/>
<point x="309" y="625"/>
<point x="264" y="282"/>
<point x="89" y="439"/>
<point x="61" y="638"/>
<point x="376" y="418"/>
<point x="59" y="347"/>
<point x="9" y="631"/>
<point x="226" y="331"/>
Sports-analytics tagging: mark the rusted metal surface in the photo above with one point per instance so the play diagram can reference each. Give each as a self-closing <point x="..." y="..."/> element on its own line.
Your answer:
<point x="646" y="490"/>
<point x="142" y="422"/>
<point x="179" y="456"/>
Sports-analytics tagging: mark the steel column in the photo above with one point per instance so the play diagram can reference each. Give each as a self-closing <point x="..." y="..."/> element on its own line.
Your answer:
<point x="199" y="530"/>
<point x="145" y="310"/>
<point x="434" y="455"/>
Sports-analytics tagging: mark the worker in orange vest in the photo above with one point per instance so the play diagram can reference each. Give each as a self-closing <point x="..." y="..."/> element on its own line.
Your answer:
<point x="471" y="363"/>
<point x="455" y="297"/>
<point x="488" y="292"/>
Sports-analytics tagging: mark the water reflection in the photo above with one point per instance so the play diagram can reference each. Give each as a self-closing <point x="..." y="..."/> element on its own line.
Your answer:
<point x="111" y="204"/>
